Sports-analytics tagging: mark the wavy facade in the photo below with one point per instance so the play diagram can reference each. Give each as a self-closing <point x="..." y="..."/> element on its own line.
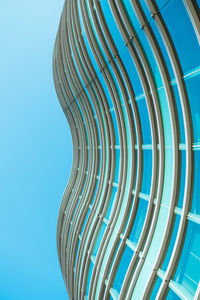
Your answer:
<point x="127" y="75"/>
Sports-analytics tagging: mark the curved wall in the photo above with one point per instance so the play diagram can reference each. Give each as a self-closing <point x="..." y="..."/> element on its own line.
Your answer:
<point x="127" y="75"/>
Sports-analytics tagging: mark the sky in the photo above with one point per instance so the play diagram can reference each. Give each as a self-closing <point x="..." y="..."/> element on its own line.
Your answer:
<point x="35" y="152"/>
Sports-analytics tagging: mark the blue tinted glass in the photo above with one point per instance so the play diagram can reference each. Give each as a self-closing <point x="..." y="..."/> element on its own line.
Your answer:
<point x="156" y="288"/>
<point x="187" y="273"/>
<point x="171" y="243"/>
<point x="131" y="15"/>
<point x="172" y="296"/>
<point x="133" y="121"/>
<point x="139" y="221"/>
<point x="77" y="253"/>
<point x="192" y="85"/>
<point x="151" y="59"/>
<point x="89" y="277"/>
<point x="163" y="48"/>
<point x="105" y="89"/>
<point x="95" y="192"/>
<point x="112" y="25"/>
<point x="147" y="171"/>
<point x="98" y="131"/>
<point x="182" y="172"/>
<point x="117" y="164"/>
<point x="122" y="269"/>
<point x="146" y="10"/>
<point x="95" y="34"/>
<point x="85" y="220"/>
<point x="132" y="71"/>
<point x="110" y="68"/>
<point x="145" y="122"/>
<point x="185" y="41"/>
<point x="99" y="238"/>
<point x="90" y="53"/>
<point x="99" y="150"/>
<point x="111" y="201"/>
<point x="196" y="195"/>
<point x="180" y="114"/>
<point x="115" y="253"/>
<point x="112" y="113"/>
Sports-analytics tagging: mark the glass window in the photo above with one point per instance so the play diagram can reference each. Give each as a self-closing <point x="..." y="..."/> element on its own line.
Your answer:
<point x="145" y="122"/>
<point x="147" y="171"/>
<point x="180" y="114"/>
<point x="105" y="89"/>
<point x="99" y="238"/>
<point x="114" y="119"/>
<point x="185" y="41"/>
<point x="196" y="195"/>
<point x="150" y="57"/>
<point x="172" y="296"/>
<point x="162" y="47"/>
<point x="114" y="255"/>
<point x="112" y="25"/>
<point x="89" y="277"/>
<point x="117" y="164"/>
<point x="155" y="288"/>
<point x="182" y="173"/>
<point x="122" y="269"/>
<point x="132" y="71"/>
<point x="172" y="240"/>
<point x="187" y="273"/>
<point x="131" y="15"/>
<point x="111" y="201"/>
<point x="192" y="85"/>
<point x="139" y="221"/>
<point x="95" y="192"/>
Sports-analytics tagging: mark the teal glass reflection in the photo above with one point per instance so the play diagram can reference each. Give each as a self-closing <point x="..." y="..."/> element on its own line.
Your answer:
<point x="187" y="273"/>
<point x="122" y="269"/>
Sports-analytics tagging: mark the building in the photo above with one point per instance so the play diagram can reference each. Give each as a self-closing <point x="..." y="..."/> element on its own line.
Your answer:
<point x="127" y="75"/>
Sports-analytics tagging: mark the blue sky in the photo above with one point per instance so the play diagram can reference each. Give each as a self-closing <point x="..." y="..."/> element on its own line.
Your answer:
<point x="35" y="152"/>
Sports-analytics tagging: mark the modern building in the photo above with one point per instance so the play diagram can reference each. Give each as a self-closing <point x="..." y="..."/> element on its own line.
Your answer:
<point x="127" y="75"/>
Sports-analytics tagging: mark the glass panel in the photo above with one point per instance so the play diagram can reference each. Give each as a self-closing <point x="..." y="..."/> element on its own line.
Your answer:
<point x="112" y="25"/>
<point x="95" y="192"/>
<point x="180" y="114"/>
<point x="89" y="277"/>
<point x="117" y="164"/>
<point x="114" y="255"/>
<point x="185" y="41"/>
<point x="111" y="201"/>
<point x="122" y="269"/>
<point x="132" y="71"/>
<point x="156" y="288"/>
<point x="139" y="221"/>
<point x="147" y="171"/>
<point x="196" y="196"/>
<point x="131" y="15"/>
<point x="99" y="150"/>
<point x="85" y="220"/>
<point x="162" y="47"/>
<point x="105" y="89"/>
<point x="150" y="57"/>
<point x="171" y="243"/>
<point x="182" y="174"/>
<point x="114" y="119"/>
<point x="99" y="238"/>
<point x="145" y="122"/>
<point x="192" y="85"/>
<point x="172" y="296"/>
<point x="146" y="10"/>
<point x="187" y="273"/>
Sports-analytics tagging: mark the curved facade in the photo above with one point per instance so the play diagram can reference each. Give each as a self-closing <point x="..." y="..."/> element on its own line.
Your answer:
<point x="127" y="75"/>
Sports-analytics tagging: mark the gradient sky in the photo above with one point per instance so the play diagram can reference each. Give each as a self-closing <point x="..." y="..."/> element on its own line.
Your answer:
<point x="35" y="152"/>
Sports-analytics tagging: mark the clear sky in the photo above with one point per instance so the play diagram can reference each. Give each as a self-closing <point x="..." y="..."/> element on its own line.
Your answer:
<point x="35" y="152"/>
